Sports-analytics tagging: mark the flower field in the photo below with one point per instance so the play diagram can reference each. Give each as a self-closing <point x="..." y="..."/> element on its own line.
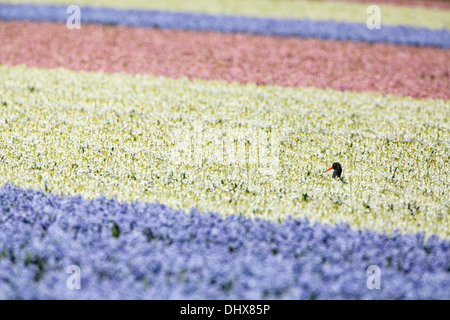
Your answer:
<point x="176" y="150"/>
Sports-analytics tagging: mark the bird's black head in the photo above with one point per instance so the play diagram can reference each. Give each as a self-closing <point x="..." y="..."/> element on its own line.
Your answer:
<point x="337" y="169"/>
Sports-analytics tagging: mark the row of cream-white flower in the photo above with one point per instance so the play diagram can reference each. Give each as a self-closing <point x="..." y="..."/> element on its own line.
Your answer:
<point x="254" y="150"/>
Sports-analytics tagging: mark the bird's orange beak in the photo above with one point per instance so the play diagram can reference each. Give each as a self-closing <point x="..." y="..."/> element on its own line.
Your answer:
<point x="331" y="168"/>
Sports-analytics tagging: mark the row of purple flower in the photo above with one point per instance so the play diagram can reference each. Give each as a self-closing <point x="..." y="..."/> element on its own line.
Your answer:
<point x="149" y="251"/>
<point x="407" y="35"/>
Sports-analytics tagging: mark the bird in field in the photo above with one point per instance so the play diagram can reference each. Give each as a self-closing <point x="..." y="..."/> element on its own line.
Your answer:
<point x="337" y="171"/>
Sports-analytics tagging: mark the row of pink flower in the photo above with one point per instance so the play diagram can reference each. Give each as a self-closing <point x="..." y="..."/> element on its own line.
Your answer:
<point x="288" y="61"/>
<point x="442" y="4"/>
